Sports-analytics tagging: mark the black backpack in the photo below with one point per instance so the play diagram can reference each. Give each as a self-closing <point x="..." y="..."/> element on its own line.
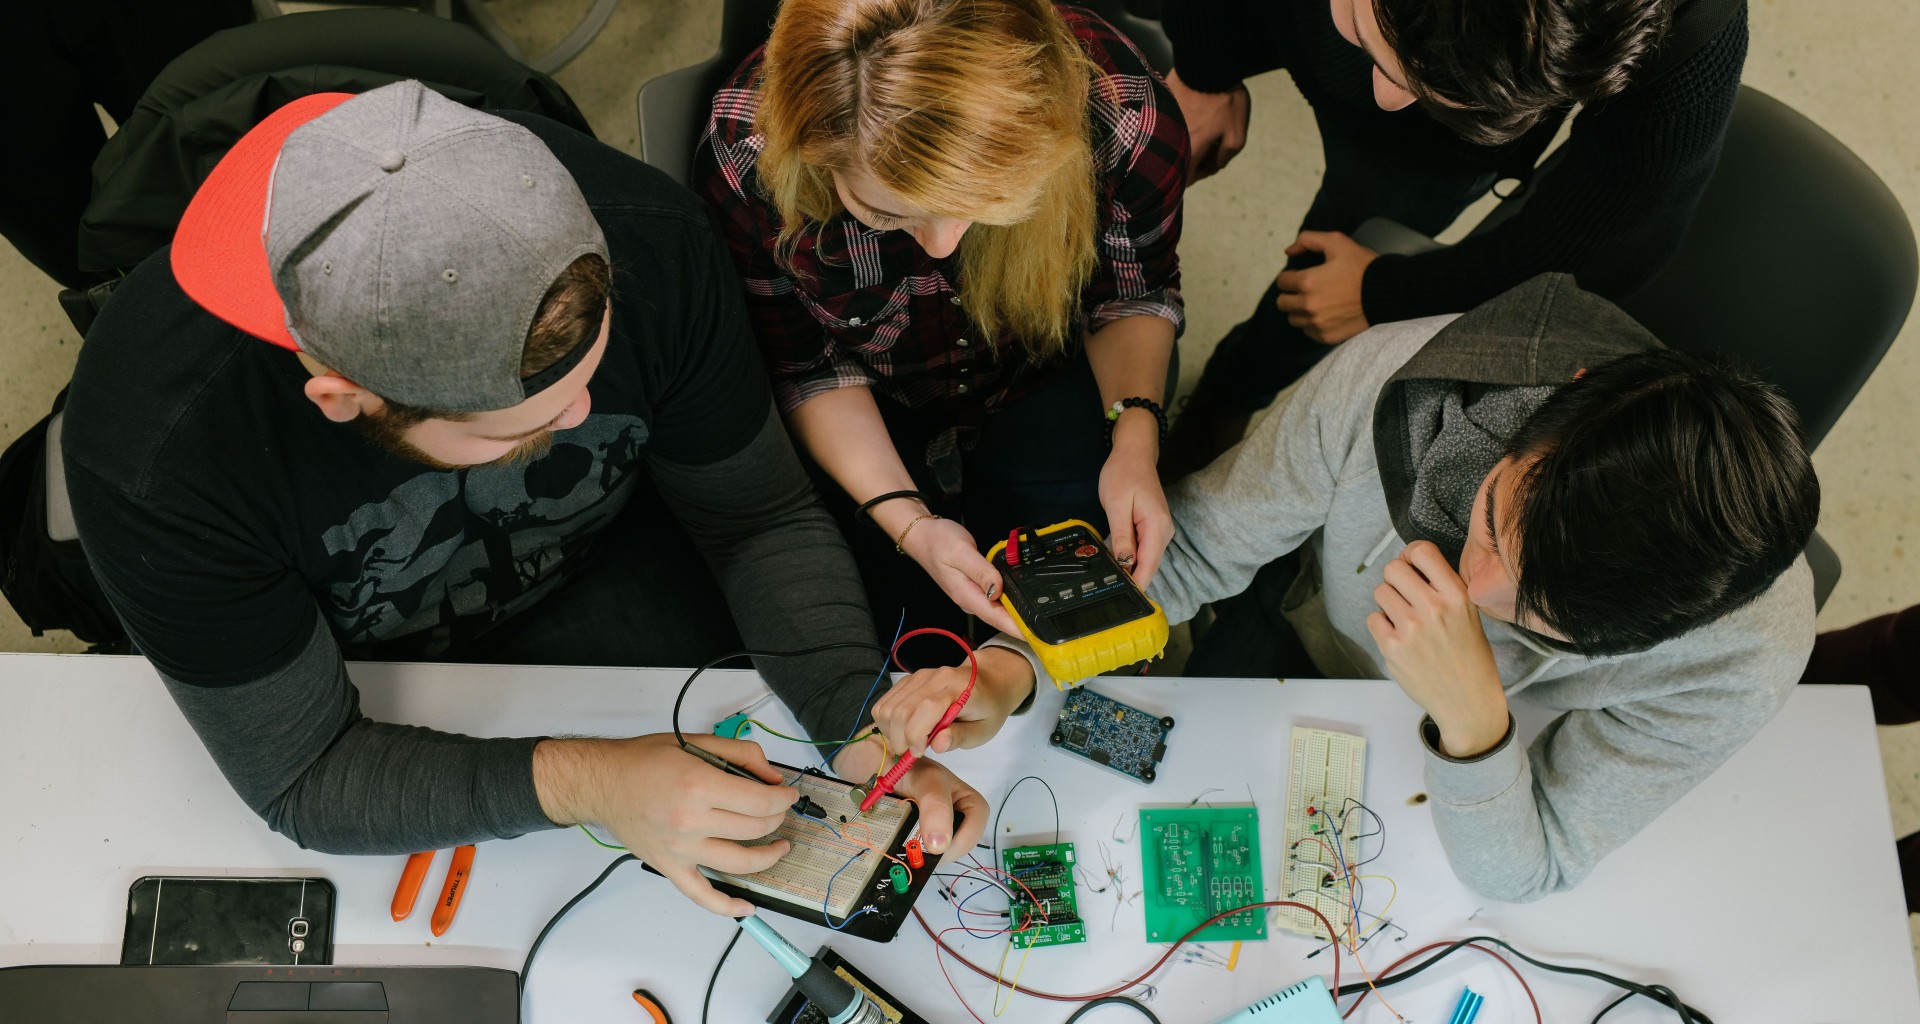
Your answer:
<point x="47" y="581"/>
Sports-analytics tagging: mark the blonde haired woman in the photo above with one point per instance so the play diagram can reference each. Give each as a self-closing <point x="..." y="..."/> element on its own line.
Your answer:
<point x="956" y="221"/>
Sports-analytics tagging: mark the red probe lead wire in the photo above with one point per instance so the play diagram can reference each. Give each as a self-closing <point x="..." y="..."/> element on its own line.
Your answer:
<point x="900" y="768"/>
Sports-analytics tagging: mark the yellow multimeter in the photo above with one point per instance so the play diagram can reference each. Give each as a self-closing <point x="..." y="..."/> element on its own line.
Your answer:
<point x="1075" y="605"/>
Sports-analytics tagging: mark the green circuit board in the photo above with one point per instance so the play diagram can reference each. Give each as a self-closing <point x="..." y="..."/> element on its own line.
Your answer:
<point x="1046" y="871"/>
<point x="1198" y="862"/>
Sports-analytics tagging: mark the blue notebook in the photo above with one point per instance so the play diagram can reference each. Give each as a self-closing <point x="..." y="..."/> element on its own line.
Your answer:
<point x="1306" y="1002"/>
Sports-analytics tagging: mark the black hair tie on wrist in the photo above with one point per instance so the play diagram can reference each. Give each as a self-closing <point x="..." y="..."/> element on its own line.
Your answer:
<point x="1113" y="415"/>
<point x="865" y="509"/>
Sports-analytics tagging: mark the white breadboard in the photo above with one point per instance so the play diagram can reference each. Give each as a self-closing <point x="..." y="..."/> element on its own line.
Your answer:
<point x="821" y="848"/>
<point x="1324" y="783"/>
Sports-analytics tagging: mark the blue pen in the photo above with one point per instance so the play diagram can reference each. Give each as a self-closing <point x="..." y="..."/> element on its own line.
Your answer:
<point x="1468" y="1008"/>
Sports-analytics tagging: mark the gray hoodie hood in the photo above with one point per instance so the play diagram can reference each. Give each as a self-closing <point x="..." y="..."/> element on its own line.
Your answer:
<point x="1444" y="417"/>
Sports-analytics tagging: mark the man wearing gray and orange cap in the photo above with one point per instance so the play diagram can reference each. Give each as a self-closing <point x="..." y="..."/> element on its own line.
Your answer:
<point x="418" y="382"/>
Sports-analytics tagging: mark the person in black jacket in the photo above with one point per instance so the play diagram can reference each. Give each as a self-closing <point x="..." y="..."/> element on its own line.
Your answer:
<point x="1423" y="105"/>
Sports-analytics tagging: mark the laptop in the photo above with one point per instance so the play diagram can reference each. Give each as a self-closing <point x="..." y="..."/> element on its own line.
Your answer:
<point x="112" y="994"/>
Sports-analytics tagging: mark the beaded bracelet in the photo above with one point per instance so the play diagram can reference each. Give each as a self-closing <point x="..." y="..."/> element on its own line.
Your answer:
<point x="1113" y="414"/>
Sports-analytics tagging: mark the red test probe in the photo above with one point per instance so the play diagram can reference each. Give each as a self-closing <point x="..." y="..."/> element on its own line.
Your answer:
<point x="900" y="768"/>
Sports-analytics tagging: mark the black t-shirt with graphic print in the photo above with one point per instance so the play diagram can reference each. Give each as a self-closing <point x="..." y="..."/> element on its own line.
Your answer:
<point x="245" y="504"/>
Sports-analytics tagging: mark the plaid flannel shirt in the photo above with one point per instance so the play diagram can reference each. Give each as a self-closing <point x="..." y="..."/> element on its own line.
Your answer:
<point x="867" y="308"/>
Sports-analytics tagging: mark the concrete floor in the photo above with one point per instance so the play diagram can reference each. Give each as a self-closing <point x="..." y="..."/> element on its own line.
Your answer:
<point x="1845" y="64"/>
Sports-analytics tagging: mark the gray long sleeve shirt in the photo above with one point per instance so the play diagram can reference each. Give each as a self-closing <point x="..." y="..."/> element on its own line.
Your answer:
<point x="1635" y="732"/>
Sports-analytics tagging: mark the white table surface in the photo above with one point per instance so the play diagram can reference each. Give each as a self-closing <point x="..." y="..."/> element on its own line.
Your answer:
<point x="1770" y="893"/>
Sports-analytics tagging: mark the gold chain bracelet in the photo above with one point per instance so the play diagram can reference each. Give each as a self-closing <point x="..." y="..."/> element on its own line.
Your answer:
<point x="900" y="542"/>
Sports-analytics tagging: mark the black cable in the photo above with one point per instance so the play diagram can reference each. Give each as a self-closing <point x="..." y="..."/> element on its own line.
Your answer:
<point x="527" y="967"/>
<point x="714" y="978"/>
<point x="1658" y="993"/>
<point x="981" y="877"/>
<point x="1005" y="800"/>
<point x="688" y="685"/>
<point x="1086" y="1008"/>
<point x="1624" y="996"/>
<point x="1663" y="994"/>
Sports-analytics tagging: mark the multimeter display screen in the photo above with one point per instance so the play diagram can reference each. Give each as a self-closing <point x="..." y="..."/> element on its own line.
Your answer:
<point x="1093" y="616"/>
<point x="1066" y="586"/>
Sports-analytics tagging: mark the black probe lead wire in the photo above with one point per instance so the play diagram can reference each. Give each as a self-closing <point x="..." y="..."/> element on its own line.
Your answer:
<point x="527" y="967"/>
<point x="681" y="739"/>
<point x="1088" y="1007"/>
<point x="1005" y="800"/>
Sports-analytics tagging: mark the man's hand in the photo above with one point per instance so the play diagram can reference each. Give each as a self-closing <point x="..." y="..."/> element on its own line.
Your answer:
<point x="1324" y="301"/>
<point x="909" y="711"/>
<point x="669" y="808"/>
<point x="1429" y="633"/>
<point x="1139" y="524"/>
<point x="1216" y="125"/>
<point x="946" y="551"/>
<point x="938" y="792"/>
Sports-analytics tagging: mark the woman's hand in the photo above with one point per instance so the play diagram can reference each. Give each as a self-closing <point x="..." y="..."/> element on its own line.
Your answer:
<point x="908" y="712"/>
<point x="940" y="794"/>
<point x="1139" y="526"/>
<point x="946" y="551"/>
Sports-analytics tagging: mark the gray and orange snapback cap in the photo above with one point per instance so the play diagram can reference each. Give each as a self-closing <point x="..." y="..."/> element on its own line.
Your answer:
<point x="400" y="238"/>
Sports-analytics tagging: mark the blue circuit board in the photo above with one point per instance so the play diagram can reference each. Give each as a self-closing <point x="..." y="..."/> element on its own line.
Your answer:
<point x="1118" y="737"/>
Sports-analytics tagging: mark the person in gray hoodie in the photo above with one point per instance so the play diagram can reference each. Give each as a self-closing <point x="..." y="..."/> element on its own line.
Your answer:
<point x="1531" y="499"/>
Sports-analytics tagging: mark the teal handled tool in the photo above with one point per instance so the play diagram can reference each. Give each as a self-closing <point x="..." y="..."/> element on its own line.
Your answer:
<point x="1468" y="1008"/>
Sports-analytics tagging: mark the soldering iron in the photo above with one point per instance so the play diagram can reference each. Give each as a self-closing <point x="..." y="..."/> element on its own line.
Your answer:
<point x="826" y="990"/>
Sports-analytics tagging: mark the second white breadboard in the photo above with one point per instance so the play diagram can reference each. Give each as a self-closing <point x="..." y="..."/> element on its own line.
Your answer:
<point x="1325" y="781"/>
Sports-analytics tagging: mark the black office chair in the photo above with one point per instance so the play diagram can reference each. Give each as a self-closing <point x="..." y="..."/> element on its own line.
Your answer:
<point x="1799" y="261"/>
<point x="673" y="107"/>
